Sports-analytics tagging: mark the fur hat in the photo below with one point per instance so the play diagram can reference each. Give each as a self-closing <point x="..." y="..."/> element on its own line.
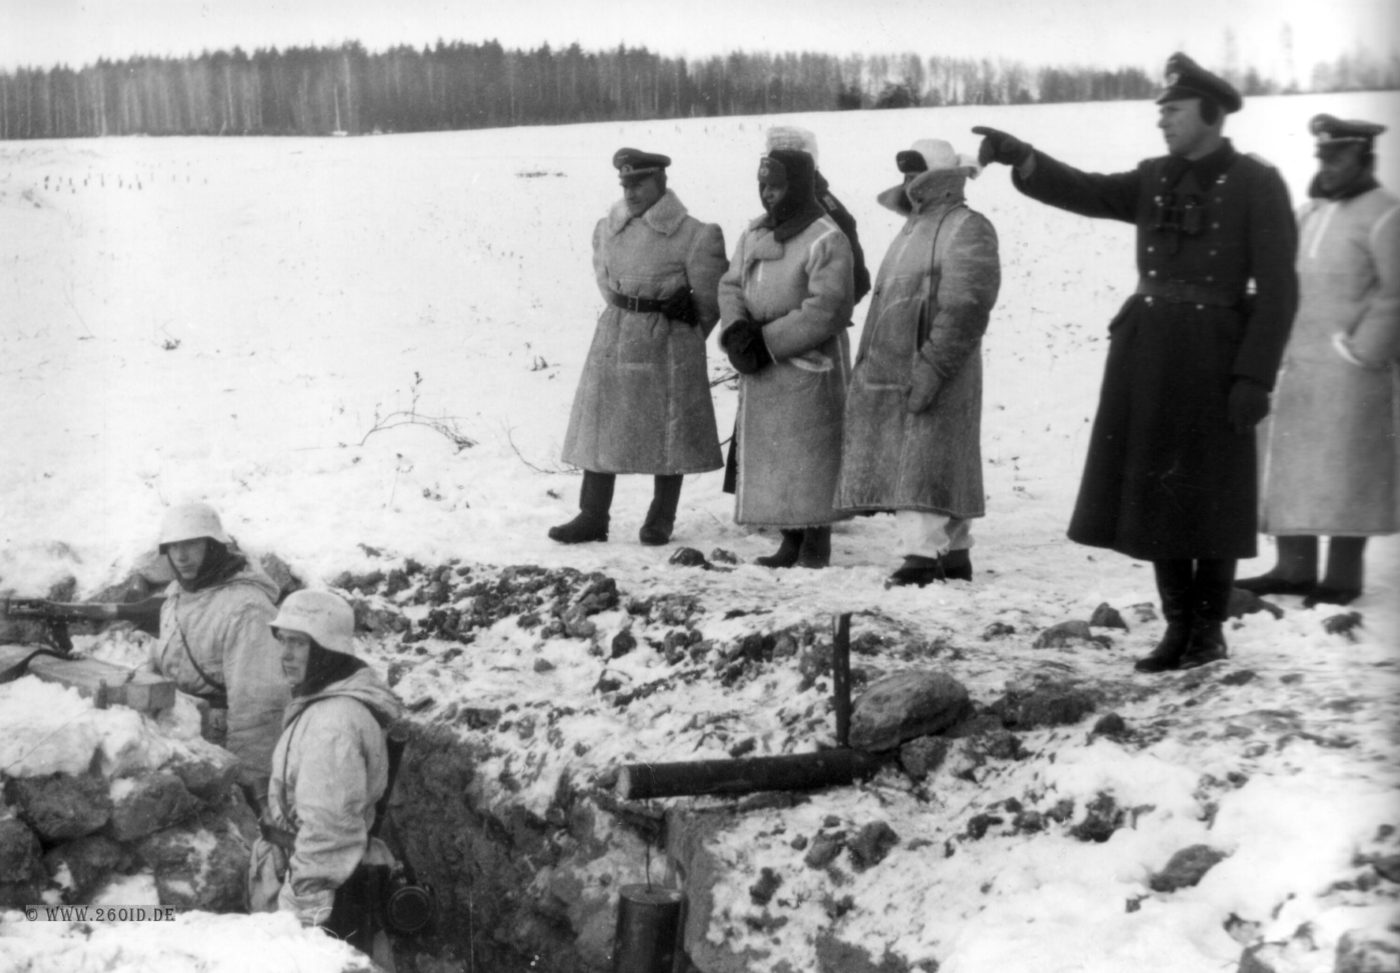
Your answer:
<point x="792" y="137"/>
<point x="934" y="155"/>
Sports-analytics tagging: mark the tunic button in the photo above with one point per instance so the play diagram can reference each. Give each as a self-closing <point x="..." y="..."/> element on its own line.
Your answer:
<point x="1215" y="226"/>
<point x="1151" y="249"/>
<point x="1200" y="307"/>
<point x="1152" y="273"/>
<point x="1148" y="301"/>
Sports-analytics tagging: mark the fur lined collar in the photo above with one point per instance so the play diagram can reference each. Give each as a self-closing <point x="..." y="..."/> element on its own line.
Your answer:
<point x="665" y="215"/>
<point x="926" y="191"/>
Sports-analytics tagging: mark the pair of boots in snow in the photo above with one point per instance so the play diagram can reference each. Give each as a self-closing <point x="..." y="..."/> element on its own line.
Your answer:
<point x="919" y="570"/>
<point x="1195" y="601"/>
<point x="1296" y="571"/>
<point x="809" y="547"/>
<point x="595" y="505"/>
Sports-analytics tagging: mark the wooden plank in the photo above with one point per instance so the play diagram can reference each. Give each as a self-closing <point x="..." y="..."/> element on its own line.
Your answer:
<point x="103" y="682"/>
<point x="841" y="678"/>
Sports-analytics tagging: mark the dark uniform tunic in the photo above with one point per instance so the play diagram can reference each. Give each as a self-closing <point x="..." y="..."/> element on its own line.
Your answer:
<point x="1166" y="477"/>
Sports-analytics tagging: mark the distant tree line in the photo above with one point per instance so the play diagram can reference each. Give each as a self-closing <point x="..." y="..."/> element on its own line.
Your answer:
<point x="317" y="91"/>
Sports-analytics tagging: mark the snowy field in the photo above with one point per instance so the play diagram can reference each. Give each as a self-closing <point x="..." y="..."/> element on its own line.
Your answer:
<point x="251" y="322"/>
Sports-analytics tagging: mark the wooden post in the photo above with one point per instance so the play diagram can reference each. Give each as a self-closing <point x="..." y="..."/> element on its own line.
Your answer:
<point x="791" y="772"/>
<point x="841" y="678"/>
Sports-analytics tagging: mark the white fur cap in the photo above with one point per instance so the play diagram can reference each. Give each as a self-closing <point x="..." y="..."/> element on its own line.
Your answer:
<point x="939" y="155"/>
<point x="792" y="137"/>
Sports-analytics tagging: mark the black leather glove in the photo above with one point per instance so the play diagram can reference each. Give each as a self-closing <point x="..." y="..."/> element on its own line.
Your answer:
<point x="680" y="306"/>
<point x="1248" y="404"/>
<point x="743" y="343"/>
<point x="999" y="146"/>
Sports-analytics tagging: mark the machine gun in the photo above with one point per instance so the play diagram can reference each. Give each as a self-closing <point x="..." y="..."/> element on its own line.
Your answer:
<point x="55" y="615"/>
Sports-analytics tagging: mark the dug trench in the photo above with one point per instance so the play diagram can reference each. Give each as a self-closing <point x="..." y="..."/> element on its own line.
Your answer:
<point x="530" y="689"/>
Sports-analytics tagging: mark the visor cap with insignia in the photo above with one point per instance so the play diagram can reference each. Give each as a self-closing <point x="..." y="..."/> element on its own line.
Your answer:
<point x="1187" y="79"/>
<point x="1331" y="131"/>
<point x="634" y="164"/>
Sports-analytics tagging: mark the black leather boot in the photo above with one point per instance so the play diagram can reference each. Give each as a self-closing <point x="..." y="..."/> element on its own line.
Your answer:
<point x="1210" y="592"/>
<point x="661" y="515"/>
<point x="595" y="501"/>
<point x="1174" y="587"/>
<point x="957" y="565"/>
<point x="918" y="571"/>
<point x="1345" y="573"/>
<point x="1294" y="574"/>
<point x="816" y="548"/>
<point x="786" y="554"/>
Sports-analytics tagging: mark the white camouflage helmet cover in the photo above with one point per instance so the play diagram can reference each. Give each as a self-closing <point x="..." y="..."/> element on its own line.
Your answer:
<point x="189" y="521"/>
<point x="325" y="617"/>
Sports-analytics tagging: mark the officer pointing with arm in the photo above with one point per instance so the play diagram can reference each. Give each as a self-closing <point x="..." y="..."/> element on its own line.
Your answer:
<point x="1170" y="475"/>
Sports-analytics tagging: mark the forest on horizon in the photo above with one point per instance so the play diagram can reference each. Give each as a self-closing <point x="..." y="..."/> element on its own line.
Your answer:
<point x="456" y="85"/>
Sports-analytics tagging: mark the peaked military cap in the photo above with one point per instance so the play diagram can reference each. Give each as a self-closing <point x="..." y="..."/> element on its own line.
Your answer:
<point x="1330" y="130"/>
<point x="1187" y="79"/>
<point x="635" y="162"/>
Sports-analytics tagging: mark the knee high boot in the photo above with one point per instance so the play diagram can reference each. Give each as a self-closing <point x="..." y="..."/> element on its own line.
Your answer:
<point x="1295" y="572"/>
<point x="816" y="548"/>
<point x="1174" y="586"/>
<point x="1210" y="593"/>
<point x="1345" y="573"/>
<point x="594" y="502"/>
<point x="661" y="515"/>
<point x="786" y="554"/>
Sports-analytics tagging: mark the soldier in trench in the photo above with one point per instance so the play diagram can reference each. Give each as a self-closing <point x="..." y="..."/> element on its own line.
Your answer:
<point x="215" y="644"/>
<point x="318" y="856"/>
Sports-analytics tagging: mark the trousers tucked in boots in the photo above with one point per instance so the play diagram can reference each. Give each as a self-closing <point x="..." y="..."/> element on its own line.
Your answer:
<point x="1294" y="573"/>
<point x="1210" y="593"/>
<point x="816" y="548"/>
<point x="594" y="502"/>
<point x="661" y="515"/>
<point x="1341" y="585"/>
<point x="1174" y="583"/>
<point x="786" y="554"/>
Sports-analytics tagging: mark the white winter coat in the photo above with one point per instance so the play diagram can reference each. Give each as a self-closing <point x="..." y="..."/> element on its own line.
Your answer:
<point x="225" y="630"/>
<point x="1331" y="450"/>
<point x="329" y="769"/>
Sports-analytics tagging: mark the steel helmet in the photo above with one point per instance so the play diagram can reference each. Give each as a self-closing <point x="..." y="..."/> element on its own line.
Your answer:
<point x="189" y="521"/>
<point x="325" y="617"/>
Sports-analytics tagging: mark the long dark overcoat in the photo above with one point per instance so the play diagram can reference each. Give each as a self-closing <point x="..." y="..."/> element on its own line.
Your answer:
<point x="1166" y="476"/>
<point x="934" y="291"/>
<point x="643" y="402"/>
<point x="1332" y="447"/>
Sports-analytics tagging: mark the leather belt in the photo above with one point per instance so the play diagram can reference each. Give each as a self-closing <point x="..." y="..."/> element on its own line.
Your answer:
<point x="1188" y="292"/>
<point x="638" y="305"/>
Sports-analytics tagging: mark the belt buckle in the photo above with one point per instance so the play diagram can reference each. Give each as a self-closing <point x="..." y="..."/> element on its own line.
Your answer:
<point x="634" y="304"/>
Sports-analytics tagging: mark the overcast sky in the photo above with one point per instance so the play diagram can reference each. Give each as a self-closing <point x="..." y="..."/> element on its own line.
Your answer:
<point x="1137" y="33"/>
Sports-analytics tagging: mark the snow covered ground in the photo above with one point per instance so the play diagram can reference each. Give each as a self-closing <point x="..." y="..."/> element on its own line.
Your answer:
<point x="252" y="322"/>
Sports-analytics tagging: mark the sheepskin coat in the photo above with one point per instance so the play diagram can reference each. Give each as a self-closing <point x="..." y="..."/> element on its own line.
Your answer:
<point x="790" y="412"/>
<point x="934" y="292"/>
<point x="643" y="402"/>
<point x="1331" y="451"/>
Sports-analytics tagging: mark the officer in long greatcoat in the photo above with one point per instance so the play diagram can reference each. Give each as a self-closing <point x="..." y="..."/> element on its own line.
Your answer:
<point x="1331" y="457"/>
<point x="1171" y="472"/>
<point x="643" y="402"/>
